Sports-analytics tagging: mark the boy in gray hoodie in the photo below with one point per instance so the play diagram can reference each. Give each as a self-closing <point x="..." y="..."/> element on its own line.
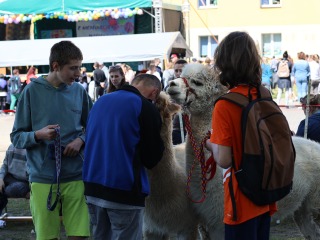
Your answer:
<point x="50" y="121"/>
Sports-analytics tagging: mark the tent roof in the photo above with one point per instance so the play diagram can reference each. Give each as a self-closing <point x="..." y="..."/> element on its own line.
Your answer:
<point x="118" y="48"/>
<point x="38" y="7"/>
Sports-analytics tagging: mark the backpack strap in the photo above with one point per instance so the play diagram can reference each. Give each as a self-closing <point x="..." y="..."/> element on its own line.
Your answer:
<point x="233" y="199"/>
<point x="241" y="100"/>
<point x="236" y="98"/>
<point x="264" y="93"/>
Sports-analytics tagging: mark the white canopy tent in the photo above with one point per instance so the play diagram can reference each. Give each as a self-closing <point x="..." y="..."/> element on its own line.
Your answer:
<point x="119" y="48"/>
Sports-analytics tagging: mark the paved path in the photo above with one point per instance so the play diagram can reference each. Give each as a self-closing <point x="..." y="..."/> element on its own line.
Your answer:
<point x="294" y="116"/>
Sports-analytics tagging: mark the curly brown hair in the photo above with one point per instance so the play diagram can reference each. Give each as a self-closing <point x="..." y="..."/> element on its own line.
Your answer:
<point x="237" y="60"/>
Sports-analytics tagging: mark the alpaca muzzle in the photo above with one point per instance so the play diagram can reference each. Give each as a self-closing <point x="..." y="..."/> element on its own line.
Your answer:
<point x="189" y="89"/>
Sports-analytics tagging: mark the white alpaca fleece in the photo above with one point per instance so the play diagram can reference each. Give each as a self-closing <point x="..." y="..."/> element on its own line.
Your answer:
<point x="304" y="200"/>
<point x="199" y="105"/>
<point x="300" y="203"/>
<point x="168" y="211"/>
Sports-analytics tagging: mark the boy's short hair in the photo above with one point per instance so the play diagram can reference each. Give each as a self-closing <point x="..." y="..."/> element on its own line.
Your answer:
<point x="147" y="80"/>
<point x="181" y="61"/>
<point x="96" y="65"/>
<point x="63" y="52"/>
<point x="314" y="102"/>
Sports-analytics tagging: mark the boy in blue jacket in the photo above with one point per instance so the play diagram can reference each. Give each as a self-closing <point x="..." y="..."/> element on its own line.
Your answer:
<point x="123" y="139"/>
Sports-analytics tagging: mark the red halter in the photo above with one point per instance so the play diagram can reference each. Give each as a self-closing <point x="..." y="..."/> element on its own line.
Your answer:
<point x="189" y="89"/>
<point x="208" y="166"/>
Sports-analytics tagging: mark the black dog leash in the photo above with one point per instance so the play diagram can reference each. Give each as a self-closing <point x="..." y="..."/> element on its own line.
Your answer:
<point x="57" y="151"/>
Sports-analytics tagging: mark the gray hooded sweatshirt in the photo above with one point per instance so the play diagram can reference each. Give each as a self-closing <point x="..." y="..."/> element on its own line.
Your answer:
<point x="40" y="105"/>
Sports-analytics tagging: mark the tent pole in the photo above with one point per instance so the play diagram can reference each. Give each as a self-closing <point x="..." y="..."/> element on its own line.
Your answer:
<point x="181" y="127"/>
<point x="307" y="111"/>
<point x="157" y="5"/>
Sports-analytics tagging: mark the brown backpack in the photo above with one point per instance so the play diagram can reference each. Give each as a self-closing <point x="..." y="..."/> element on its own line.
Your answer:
<point x="267" y="165"/>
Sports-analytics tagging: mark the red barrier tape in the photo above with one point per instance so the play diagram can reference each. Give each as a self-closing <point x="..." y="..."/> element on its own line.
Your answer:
<point x="297" y="106"/>
<point x="7" y="111"/>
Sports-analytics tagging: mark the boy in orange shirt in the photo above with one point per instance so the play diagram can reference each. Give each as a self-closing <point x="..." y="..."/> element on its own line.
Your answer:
<point x="238" y="61"/>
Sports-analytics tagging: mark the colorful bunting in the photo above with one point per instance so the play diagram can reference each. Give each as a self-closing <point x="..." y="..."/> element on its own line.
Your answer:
<point x="72" y="16"/>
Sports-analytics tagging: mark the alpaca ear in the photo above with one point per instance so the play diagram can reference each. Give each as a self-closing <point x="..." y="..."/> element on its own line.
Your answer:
<point x="174" y="108"/>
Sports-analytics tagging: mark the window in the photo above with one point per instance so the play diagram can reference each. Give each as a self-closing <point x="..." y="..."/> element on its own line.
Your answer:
<point x="270" y="3"/>
<point x="207" y="3"/>
<point x="271" y="45"/>
<point x="207" y="46"/>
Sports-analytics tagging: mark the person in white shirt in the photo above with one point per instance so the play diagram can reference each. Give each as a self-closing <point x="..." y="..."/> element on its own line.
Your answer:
<point x="153" y="70"/>
<point x="105" y="69"/>
<point x="91" y="88"/>
<point x="314" y="73"/>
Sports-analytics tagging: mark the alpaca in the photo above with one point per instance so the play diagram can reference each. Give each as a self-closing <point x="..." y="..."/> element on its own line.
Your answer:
<point x="168" y="210"/>
<point x="304" y="197"/>
<point x="205" y="89"/>
<point x="303" y="201"/>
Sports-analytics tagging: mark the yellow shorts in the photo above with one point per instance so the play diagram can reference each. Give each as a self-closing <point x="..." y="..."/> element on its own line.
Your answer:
<point x="74" y="210"/>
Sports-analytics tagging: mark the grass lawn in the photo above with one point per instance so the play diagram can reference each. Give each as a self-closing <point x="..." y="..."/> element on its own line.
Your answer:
<point x="286" y="230"/>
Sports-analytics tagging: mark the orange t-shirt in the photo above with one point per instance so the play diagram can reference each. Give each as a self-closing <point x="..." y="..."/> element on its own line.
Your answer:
<point x="226" y="131"/>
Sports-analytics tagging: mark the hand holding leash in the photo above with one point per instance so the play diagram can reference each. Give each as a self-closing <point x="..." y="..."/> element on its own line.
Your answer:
<point x="47" y="133"/>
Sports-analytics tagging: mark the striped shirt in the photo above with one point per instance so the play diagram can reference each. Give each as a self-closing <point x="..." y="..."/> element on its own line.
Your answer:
<point x="15" y="163"/>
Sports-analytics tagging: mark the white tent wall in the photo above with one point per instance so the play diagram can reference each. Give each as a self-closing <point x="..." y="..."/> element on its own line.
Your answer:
<point x="120" y="48"/>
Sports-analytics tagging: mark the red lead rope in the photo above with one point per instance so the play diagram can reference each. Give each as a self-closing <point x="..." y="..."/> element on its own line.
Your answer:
<point x="208" y="166"/>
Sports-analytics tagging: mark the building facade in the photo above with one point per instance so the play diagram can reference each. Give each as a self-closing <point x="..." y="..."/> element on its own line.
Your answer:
<point x="275" y="25"/>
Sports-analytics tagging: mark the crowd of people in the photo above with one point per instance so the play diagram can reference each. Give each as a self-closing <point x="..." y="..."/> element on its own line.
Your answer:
<point x="300" y="72"/>
<point x="11" y="89"/>
<point x="87" y="159"/>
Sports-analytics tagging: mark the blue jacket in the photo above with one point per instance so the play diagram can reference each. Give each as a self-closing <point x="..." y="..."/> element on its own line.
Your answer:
<point x="301" y="70"/>
<point x="40" y="105"/>
<point x="313" y="132"/>
<point x="123" y="137"/>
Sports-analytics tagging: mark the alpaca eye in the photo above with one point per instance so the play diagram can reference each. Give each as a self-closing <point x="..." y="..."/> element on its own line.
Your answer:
<point x="197" y="83"/>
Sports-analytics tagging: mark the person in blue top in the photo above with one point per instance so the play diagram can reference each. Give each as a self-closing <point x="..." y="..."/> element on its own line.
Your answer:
<point x="123" y="139"/>
<point x="266" y="74"/>
<point x="313" y="131"/>
<point x="14" y="83"/>
<point x="45" y="105"/>
<point x="301" y="73"/>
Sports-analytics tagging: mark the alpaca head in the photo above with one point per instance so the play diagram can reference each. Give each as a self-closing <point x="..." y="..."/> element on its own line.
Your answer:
<point x="167" y="109"/>
<point x="200" y="90"/>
